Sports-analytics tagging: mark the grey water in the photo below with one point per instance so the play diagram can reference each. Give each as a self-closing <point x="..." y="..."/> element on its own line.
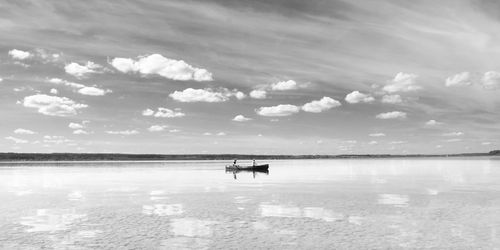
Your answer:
<point x="433" y="203"/>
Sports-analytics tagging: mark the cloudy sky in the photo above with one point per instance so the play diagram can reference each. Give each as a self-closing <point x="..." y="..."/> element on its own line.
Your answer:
<point x="250" y="76"/>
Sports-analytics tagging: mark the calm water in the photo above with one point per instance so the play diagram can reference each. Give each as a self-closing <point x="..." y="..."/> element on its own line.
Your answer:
<point x="301" y="204"/>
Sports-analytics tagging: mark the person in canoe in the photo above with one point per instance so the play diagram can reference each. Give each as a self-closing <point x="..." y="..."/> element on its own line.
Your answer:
<point x="234" y="163"/>
<point x="254" y="162"/>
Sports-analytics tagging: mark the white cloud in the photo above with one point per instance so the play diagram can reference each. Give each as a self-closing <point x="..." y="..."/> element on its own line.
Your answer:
<point x="80" y="71"/>
<point x="240" y="95"/>
<point x="54" y="91"/>
<point x="393" y="99"/>
<point x="453" y="134"/>
<point x="74" y="125"/>
<point x="392" y="115"/>
<point x="207" y="133"/>
<point x="433" y="123"/>
<point x="157" y="128"/>
<point x="461" y="79"/>
<point x="53" y="105"/>
<point x="123" y="132"/>
<point x="454" y="140"/>
<point x="402" y="82"/>
<point x="160" y="65"/>
<point x="80" y="88"/>
<point x="372" y="142"/>
<point x="21" y="131"/>
<point x="19" y="54"/>
<point x="258" y="94"/>
<point x="377" y="134"/>
<point x="163" y="113"/>
<point x="284" y="85"/>
<point x="73" y="85"/>
<point x="321" y="105"/>
<point x="221" y="134"/>
<point x="148" y="112"/>
<point x="491" y="80"/>
<point x="203" y="95"/>
<point x="279" y="110"/>
<point x="93" y="91"/>
<point x="357" y="97"/>
<point x="397" y="142"/>
<point x="486" y="143"/>
<point x="241" y="118"/>
<point x="80" y="132"/>
<point x="16" y="140"/>
<point x="174" y="131"/>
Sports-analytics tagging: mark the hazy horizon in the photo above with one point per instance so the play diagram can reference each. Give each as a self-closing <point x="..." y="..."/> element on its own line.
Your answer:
<point x="250" y="77"/>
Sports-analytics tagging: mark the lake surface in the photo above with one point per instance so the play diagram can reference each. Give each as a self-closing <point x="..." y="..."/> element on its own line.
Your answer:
<point x="300" y="204"/>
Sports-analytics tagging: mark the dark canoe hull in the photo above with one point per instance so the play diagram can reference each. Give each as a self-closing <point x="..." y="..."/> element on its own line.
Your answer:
<point x="263" y="167"/>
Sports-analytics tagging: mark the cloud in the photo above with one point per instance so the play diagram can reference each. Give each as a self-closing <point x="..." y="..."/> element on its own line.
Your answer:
<point x="258" y="94"/>
<point x="279" y="110"/>
<point x="16" y="140"/>
<point x="53" y="105"/>
<point x="357" y="97"/>
<point x="372" y="142"/>
<point x="491" y="80"/>
<point x="284" y="85"/>
<point x="93" y="91"/>
<point x="453" y="134"/>
<point x="157" y="128"/>
<point x="402" y="82"/>
<point x="163" y="113"/>
<point x="461" y="79"/>
<point x="454" y="140"/>
<point x="392" y="115"/>
<point x="241" y="118"/>
<point x="80" y="88"/>
<point x="392" y="99"/>
<point x="80" y="71"/>
<point x="433" y="123"/>
<point x="19" y="54"/>
<point x="73" y="85"/>
<point x="123" y="132"/>
<point x="318" y="106"/>
<point x="54" y="91"/>
<point x="74" y="125"/>
<point x="80" y="132"/>
<point x="160" y="65"/>
<point x="240" y="95"/>
<point x="21" y="131"/>
<point x="377" y="134"/>
<point x="221" y="134"/>
<point x="203" y="95"/>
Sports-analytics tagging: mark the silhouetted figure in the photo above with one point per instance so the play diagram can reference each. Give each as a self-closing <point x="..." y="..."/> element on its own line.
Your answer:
<point x="234" y="174"/>
<point x="234" y="163"/>
<point x="254" y="162"/>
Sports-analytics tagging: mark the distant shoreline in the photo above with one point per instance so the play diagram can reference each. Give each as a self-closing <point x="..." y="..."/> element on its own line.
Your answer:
<point x="10" y="157"/>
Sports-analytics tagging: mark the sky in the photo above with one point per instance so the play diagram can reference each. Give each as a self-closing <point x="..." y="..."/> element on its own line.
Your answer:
<point x="250" y="76"/>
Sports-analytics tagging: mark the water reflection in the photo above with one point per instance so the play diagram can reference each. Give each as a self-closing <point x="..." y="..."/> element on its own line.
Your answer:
<point x="396" y="200"/>
<point x="254" y="172"/>
<point x="52" y="220"/>
<point x="317" y="213"/>
<point x="191" y="227"/>
<point x="163" y="209"/>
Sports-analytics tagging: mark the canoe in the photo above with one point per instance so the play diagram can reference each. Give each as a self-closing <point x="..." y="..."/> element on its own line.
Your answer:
<point x="262" y="167"/>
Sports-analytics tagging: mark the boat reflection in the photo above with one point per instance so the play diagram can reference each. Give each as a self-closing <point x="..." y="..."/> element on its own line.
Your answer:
<point x="239" y="171"/>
